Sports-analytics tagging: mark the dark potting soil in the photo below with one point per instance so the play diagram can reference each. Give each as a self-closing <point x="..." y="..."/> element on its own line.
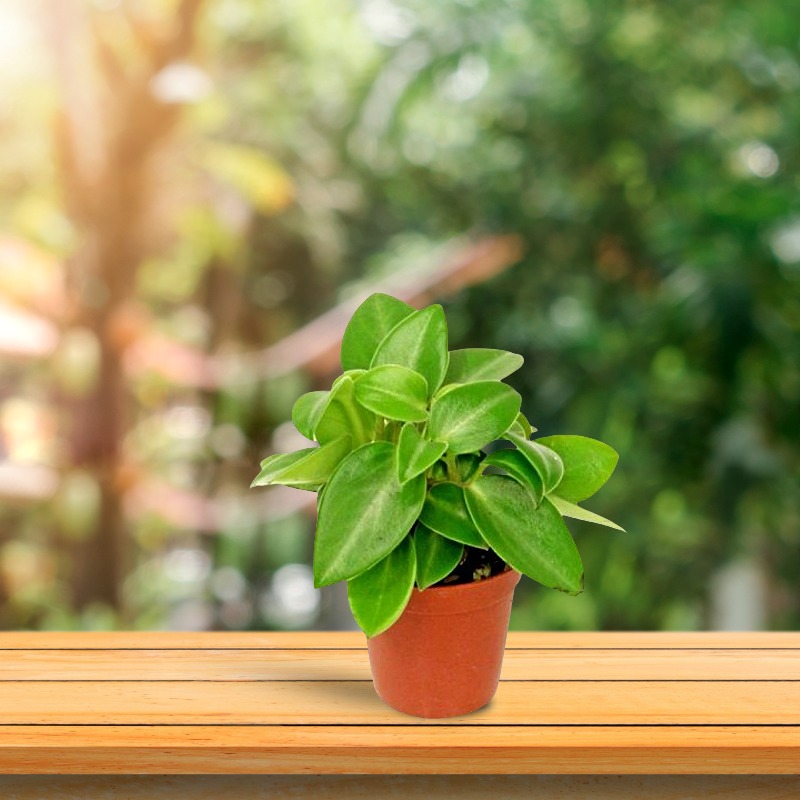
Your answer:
<point x="475" y="565"/>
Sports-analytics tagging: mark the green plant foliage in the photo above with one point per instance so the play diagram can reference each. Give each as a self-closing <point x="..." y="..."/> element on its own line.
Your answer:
<point x="394" y="392"/>
<point x="437" y="556"/>
<point x="588" y="464"/>
<point x="304" y="469"/>
<point x="343" y="416"/>
<point x="535" y="541"/>
<point x="415" y="454"/>
<point x="545" y="461"/>
<point x="471" y="416"/>
<point x="307" y="410"/>
<point x="365" y="514"/>
<point x="446" y="513"/>
<point x="567" y="509"/>
<point x="373" y="319"/>
<point x="379" y="595"/>
<point x="400" y="466"/>
<point x="519" y="468"/>
<point x="481" y="364"/>
<point x="418" y="342"/>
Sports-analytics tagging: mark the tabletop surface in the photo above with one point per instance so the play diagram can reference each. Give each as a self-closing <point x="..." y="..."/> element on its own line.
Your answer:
<point x="278" y="703"/>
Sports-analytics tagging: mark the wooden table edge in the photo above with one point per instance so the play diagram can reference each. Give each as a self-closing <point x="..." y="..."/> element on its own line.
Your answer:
<point x="412" y="749"/>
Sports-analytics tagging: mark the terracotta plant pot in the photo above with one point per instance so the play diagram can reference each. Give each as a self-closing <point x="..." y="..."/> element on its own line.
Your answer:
<point x="442" y="658"/>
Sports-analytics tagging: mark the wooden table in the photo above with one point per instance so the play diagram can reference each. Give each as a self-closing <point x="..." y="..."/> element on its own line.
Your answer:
<point x="595" y="705"/>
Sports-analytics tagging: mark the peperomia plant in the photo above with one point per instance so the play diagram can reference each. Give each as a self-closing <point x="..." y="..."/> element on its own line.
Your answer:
<point x="405" y="487"/>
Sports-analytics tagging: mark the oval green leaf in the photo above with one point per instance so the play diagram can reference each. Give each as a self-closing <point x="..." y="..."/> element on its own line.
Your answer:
<point x="379" y="595"/>
<point x="588" y="464"/>
<point x="394" y="392"/>
<point x="343" y="416"/>
<point x="446" y="513"/>
<point x="365" y="514"/>
<point x="305" y="469"/>
<point x="414" y="454"/>
<point x="567" y="509"/>
<point x="368" y="326"/>
<point x="470" y="416"/>
<point x="437" y="556"/>
<point x="307" y="410"/>
<point x="544" y="460"/>
<point x="534" y="541"/>
<point x="418" y="342"/>
<point x="519" y="468"/>
<point x="481" y="364"/>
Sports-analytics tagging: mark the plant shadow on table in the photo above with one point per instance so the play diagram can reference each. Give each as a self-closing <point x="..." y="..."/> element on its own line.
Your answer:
<point x="347" y="693"/>
<point x="360" y="696"/>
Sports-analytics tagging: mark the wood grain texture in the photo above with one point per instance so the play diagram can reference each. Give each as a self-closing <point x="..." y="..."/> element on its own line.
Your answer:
<point x="411" y="749"/>
<point x="331" y="702"/>
<point x="430" y="787"/>
<point x="304" y="703"/>
<point x="248" y="664"/>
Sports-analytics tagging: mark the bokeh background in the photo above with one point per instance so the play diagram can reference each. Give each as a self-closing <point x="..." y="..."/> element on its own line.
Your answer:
<point x="194" y="194"/>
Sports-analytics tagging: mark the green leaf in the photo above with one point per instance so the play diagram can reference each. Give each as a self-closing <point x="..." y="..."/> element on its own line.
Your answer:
<point x="446" y="513"/>
<point x="365" y="514"/>
<point x="481" y="364"/>
<point x="437" y="556"/>
<point x="567" y="509"/>
<point x="415" y="454"/>
<point x="588" y="464"/>
<point x="544" y="460"/>
<point x="307" y="410"/>
<point x="343" y="416"/>
<point x="534" y="541"/>
<point x="519" y="468"/>
<point x="394" y="392"/>
<point x="379" y="595"/>
<point x="304" y="469"/>
<point x="368" y="326"/>
<point x="471" y="415"/>
<point x="418" y="342"/>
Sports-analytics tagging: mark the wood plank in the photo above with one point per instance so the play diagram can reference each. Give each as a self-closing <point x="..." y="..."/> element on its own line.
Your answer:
<point x="303" y="664"/>
<point x="430" y="787"/>
<point x="170" y="640"/>
<point x="331" y="702"/>
<point x="569" y="703"/>
<point x="403" y="749"/>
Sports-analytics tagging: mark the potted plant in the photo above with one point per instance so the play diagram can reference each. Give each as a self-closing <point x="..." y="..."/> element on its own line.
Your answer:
<point x="429" y="530"/>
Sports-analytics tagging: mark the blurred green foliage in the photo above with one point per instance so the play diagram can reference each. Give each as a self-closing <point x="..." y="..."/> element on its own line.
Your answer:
<point x="647" y="153"/>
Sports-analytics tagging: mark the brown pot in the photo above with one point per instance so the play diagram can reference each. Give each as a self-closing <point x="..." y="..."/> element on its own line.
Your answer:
<point x="442" y="658"/>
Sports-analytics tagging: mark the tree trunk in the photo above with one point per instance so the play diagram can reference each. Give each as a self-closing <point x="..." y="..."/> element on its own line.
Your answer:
<point x="108" y="131"/>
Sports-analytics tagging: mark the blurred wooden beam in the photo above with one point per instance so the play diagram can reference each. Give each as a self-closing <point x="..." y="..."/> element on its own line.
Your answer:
<point x="315" y="347"/>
